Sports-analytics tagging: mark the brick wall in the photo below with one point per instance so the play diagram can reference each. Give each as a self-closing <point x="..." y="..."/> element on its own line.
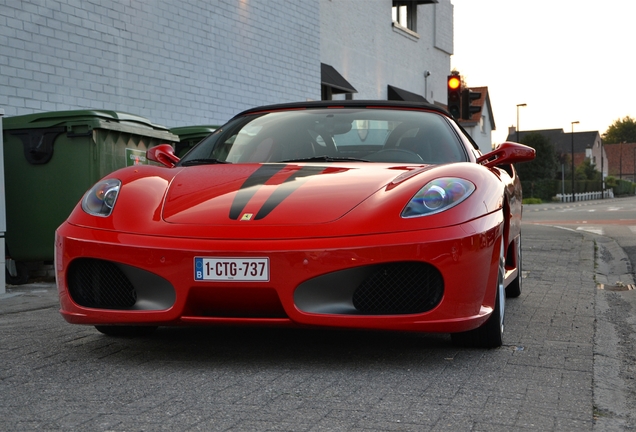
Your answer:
<point x="621" y="160"/>
<point x="187" y="62"/>
<point x="174" y="62"/>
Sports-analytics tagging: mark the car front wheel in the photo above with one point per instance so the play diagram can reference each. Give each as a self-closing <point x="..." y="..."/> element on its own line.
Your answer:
<point x="513" y="290"/>
<point x="490" y="334"/>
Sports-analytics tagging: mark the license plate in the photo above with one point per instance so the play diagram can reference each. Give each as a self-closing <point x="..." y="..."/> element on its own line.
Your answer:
<point x="231" y="269"/>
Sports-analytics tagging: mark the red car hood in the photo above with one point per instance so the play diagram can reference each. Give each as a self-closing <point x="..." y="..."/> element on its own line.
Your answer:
<point x="273" y="194"/>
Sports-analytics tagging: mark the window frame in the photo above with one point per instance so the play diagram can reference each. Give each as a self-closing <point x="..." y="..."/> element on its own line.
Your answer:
<point x="411" y="14"/>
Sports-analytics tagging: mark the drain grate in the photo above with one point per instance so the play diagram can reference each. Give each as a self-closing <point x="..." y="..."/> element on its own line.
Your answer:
<point x="621" y="287"/>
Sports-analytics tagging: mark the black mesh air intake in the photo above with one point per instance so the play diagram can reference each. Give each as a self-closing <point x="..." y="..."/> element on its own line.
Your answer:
<point x="399" y="288"/>
<point x="99" y="284"/>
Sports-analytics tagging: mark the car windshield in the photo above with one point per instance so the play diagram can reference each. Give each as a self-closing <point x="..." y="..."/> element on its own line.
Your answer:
<point x="333" y="135"/>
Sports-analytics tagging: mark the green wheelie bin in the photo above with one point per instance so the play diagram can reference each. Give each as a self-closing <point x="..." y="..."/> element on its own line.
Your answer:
<point x="51" y="159"/>
<point x="189" y="136"/>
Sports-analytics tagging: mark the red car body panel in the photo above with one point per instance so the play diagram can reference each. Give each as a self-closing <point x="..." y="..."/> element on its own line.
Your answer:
<point x="354" y="207"/>
<point x="309" y="220"/>
<point x="461" y="250"/>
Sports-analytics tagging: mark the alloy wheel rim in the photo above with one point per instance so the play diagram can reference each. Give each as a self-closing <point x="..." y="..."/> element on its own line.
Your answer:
<point x="501" y="291"/>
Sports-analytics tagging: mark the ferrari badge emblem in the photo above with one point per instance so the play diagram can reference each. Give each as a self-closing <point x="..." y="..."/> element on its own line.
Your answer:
<point x="247" y="216"/>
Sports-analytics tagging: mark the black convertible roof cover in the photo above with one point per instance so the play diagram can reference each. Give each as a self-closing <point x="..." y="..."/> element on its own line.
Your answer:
<point x="345" y="104"/>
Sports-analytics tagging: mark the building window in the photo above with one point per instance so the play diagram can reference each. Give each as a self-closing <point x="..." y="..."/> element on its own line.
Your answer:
<point x="405" y="14"/>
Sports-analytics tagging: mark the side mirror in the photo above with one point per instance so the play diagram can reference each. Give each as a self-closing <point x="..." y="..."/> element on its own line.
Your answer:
<point x="507" y="153"/>
<point x="163" y="154"/>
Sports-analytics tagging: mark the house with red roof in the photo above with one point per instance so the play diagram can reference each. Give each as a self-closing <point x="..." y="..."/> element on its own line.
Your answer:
<point x="584" y="145"/>
<point x="622" y="160"/>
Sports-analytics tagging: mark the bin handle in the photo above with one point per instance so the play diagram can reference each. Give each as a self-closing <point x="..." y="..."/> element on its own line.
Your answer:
<point x="38" y="143"/>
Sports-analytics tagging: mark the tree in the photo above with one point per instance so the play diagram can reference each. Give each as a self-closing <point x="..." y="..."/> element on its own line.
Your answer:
<point x="587" y="171"/>
<point x="622" y="130"/>
<point x="544" y="165"/>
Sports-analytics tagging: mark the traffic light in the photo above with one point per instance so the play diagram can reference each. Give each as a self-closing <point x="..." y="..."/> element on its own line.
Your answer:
<point x="454" y="95"/>
<point x="467" y="98"/>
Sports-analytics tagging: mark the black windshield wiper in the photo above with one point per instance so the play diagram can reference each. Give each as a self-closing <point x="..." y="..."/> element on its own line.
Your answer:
<point x="326" y="159"/>
<point x="210" y="161"/>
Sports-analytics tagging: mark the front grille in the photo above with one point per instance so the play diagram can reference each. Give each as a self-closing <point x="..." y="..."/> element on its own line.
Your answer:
<point x="99" y="284"/>
<point x="399" y="288"/>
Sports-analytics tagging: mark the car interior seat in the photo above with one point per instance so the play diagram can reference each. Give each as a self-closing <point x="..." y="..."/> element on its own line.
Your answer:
<point x="417" y="145"/>
<point x="433" y="145"/>
<point x="297" y="149"/>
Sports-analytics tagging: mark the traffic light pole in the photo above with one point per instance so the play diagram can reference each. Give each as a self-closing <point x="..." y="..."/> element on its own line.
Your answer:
<point x="454" y="87"/>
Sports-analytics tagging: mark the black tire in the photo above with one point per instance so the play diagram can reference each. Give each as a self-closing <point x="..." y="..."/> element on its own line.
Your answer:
<point x="22" y="274"/>
<point x="513" y="290"/>
<point x="126" y="331"/>
<point x="490" y="334"/>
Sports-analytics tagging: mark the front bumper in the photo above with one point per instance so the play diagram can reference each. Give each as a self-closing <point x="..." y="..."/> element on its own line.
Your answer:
<point x="313" y="282"/>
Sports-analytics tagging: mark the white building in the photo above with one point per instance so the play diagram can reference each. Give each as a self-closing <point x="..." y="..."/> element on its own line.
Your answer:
<point x="402" y="44"/>
<point x="187" y="62"/>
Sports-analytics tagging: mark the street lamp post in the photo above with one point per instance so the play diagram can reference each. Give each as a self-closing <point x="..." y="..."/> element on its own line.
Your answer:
<point x="620" y="163"/>
<point x="519" y="105"/>
<point x="573" y="123"/>
<point x="603" y="171"/>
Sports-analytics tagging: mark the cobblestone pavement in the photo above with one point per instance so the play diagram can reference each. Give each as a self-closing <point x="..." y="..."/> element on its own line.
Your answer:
<point x="56" y="376"/>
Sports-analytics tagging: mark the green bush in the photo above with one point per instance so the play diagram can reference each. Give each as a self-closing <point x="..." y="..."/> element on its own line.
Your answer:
<point x="543" y="189"/>
<point x="580" y="186"/>
<point x="623" y="187"/>
<point x="532" y="201"/>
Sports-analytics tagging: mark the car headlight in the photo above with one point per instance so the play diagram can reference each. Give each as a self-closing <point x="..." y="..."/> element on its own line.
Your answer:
<point x="437" y="196"/>
<point x="100" y="199"/>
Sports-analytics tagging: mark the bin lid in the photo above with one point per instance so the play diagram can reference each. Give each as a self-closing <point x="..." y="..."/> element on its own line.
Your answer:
<point x="186" y="133"/>
<point x="92" y="119"/>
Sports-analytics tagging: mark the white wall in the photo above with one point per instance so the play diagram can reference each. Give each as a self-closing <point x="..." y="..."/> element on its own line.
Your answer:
<point x="174" y="62"/>
<point x="481" y="133"/>
<point x="357" y="38"/>
<point x="187" y="62"/>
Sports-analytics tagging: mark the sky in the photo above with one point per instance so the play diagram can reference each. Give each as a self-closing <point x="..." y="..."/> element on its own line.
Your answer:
<point x="568" y="60"/>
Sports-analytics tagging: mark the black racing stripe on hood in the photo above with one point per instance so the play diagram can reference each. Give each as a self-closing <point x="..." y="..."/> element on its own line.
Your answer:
<point x="248" y="189"/>
<point x="290" y="184"/>
<point x="261" y="176"/>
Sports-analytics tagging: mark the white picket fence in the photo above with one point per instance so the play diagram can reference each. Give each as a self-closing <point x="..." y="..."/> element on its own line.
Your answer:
<point x="586" y="196"/>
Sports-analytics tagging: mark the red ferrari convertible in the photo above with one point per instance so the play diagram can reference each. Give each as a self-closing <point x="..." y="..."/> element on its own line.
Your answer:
<point x="350" y="214"/>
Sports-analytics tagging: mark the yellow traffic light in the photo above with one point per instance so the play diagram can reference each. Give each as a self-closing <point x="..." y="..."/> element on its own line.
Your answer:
<point x="454" y="95"/>
<point x="454" y="82"/>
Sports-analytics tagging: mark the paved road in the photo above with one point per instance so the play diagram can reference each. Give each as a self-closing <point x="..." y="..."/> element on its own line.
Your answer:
<point x="613" y="218"/>
<point x="56" y="376"/>
<point x="611" y="225"/>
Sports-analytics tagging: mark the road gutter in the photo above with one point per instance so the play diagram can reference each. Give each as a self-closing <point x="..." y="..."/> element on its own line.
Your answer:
<point x="615" y="312"/>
